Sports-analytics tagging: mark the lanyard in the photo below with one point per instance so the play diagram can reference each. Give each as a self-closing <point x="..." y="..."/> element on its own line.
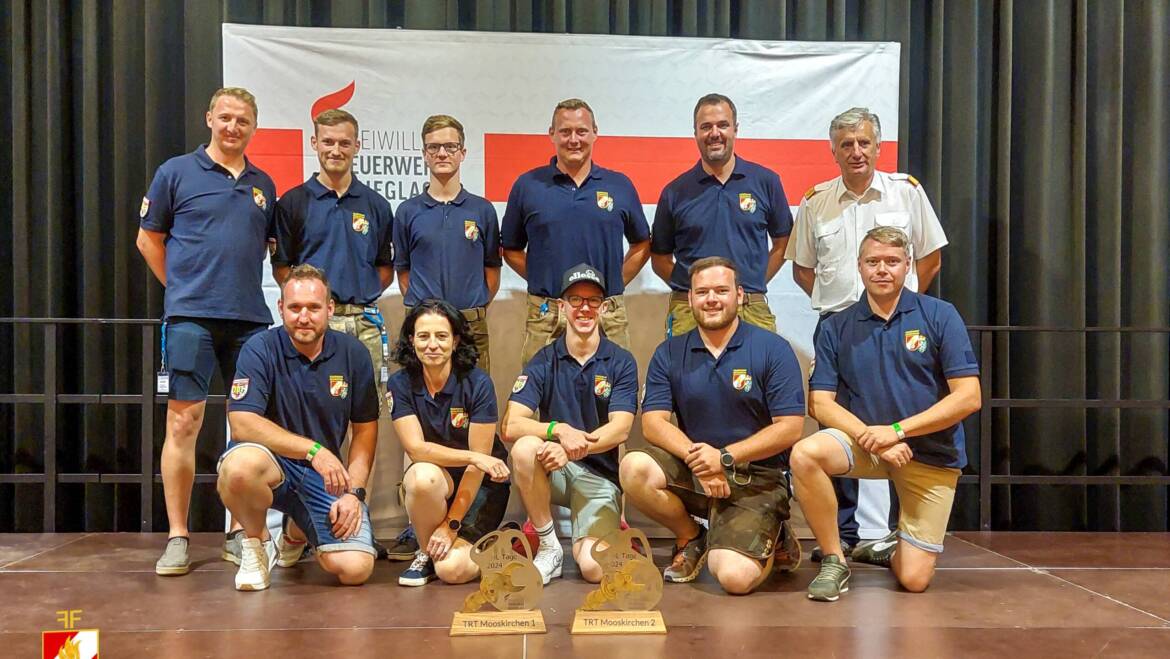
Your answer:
<point x="374" y="315"/>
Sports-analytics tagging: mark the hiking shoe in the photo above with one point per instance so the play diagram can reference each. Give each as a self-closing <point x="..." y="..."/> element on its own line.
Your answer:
<point x="231" y="547"/>
<point x="257" y="558"/>
<point x="176" y="559"/>
<point x="289" y="551"/>
<point x="549" y="561"/>
<point x="831" y="581"/>
<point x="688" y="560"/>
<point x="404" y="547"/>
<point x="419" y="573"/>
<point x="788" y="554"/>
<point x="817" y="554"/>
<point x="876" y="552"/>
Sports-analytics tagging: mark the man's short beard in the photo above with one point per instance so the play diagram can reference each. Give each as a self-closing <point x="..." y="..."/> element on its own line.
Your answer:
<point x="726" y="319"/>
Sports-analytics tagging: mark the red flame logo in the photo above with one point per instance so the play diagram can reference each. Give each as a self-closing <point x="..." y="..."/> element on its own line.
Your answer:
<point x="332" y="101"/>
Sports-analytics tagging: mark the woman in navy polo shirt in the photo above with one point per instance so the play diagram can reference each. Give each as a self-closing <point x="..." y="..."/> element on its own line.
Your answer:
<point x="444" y="412"/>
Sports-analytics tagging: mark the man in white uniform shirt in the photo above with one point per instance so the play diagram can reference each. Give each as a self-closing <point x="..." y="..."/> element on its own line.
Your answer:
<point x="833" y="218"/>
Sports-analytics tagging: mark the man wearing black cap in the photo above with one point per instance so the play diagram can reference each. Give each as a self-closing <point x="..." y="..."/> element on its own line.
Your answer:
<point x="584" y="387"/>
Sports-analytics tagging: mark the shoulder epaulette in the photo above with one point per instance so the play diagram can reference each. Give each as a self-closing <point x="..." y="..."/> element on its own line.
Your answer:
<point x="905" y="177"/>
<point x="819" y="187"/>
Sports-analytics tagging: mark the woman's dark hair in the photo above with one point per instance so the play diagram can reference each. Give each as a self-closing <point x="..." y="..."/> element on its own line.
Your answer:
<point x="462" y="360"/>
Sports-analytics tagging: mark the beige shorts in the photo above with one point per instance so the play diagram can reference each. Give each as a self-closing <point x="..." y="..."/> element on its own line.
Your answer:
<point x="925" y="492"/>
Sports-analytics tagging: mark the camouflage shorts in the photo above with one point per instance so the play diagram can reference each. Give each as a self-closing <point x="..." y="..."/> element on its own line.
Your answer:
<point x="748" y="521"/>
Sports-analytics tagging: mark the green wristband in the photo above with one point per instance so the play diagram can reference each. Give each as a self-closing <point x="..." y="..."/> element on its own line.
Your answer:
<point x="313" y="451"/>
<point x="898" y="429"/>
<point x="548" y="436"/>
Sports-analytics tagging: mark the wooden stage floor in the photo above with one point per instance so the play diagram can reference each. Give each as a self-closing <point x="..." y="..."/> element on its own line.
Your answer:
<point x="995" y="595"/>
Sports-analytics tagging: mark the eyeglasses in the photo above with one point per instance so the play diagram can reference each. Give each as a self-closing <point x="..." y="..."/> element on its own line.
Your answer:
<point x="576" y="301"/>
<point x="450" y="147"/>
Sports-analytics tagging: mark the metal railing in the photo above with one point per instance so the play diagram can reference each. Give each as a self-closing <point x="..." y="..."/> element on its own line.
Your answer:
<point x="148" y="402"/>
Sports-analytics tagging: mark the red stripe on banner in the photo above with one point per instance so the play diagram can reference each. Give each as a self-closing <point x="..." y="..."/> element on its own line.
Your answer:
<point x="652" y="162"/>
<point x="279" y="152"/>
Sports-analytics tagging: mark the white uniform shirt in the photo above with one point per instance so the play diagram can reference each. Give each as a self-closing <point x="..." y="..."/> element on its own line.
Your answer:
<point x="832" y="221"/>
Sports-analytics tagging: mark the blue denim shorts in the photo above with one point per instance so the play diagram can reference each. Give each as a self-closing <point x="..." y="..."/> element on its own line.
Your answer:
<point x="301" y="495"/>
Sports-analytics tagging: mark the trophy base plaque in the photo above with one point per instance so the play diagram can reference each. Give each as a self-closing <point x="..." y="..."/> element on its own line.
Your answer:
<point x="498" y="623"/>
<point x="618" y="622"/>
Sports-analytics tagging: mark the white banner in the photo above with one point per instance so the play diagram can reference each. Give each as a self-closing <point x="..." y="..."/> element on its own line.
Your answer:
<point x="503" y="87"/>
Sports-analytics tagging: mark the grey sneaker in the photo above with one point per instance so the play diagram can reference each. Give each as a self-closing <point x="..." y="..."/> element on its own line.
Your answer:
<point x="176" y="559"/>
<point x="688" y="560"/>
<point x="876" y="552"/>
<point x="817" y="554"/>
<point x="788" y="554"/>
<point x="231" y="547"/>
<point x="831" y="581"/>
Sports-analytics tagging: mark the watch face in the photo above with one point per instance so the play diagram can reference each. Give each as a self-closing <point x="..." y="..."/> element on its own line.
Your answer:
<point x="360" y="493"/>
<point x="726" y="459"/>
<point x="454" y="524"/>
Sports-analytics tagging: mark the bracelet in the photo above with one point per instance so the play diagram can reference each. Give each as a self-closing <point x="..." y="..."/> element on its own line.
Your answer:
<point x="548" y="436"/>
<point x="898" y="429"/>
<point x="313" y="451"/>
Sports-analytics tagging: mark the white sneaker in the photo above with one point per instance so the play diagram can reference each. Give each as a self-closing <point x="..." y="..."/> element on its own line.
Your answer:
<point x="256" y="561"/>
<point x="549" y="561"/>
<point x="289" y="550"/>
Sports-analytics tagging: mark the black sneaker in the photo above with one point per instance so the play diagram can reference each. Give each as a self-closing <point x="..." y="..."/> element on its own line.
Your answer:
<point x="404" y="547"/>
<point x="876" y="552"/>
<point x="817" y="554"/>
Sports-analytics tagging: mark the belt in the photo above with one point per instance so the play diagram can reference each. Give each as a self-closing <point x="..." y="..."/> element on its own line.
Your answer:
<point x="474" y="314"/>
<point x="748" y="298"/>
<point x="340" y="309"/>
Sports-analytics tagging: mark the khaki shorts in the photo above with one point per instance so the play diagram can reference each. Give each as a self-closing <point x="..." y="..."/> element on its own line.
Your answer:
<point x="594" y="502"/>
<point x="925" y="492"/>
<point x="748" y="521"/>
<point x="356" y="324"/>
<point x="477" y="319"/>
<point x="754" y="310"/>
<point x="544" y="327"/>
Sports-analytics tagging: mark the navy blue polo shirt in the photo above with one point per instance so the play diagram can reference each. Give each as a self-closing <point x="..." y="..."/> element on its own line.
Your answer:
<point x="217" y="229"/>
<point x="562" y="225"/>
<point x="583" y="396"/>
<point x="446" y="246"/>
<point x="725" y="400"/>
<point x="697" y="216"/>
<point x="348" y="236"/>
<point x="447" y="416"/>
<point x="884" y="371"/>
<point x="315" y="399"/>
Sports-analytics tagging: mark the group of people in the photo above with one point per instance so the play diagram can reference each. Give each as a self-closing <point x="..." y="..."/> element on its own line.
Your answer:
<point x="722" y="408"/>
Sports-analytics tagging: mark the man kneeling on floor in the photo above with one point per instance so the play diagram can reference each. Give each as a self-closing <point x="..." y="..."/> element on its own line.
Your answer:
<point x="586" y="390"/>
<point x="737" y="393"/>
<point x="297" y="390"/>
<point x="895" y="376"/>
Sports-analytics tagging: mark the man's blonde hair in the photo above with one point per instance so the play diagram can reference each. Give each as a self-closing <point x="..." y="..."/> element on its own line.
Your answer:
<point x="334" y="117"/>
<point x="573" y="104"/>
<point x="441" y="121"/>
<point x="237" y="93"/>
<point x="886" y="235"/>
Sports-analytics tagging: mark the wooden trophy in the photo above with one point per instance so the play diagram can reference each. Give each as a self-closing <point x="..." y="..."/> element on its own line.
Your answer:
<point x="630" y="582"/>
<point x="509" y="583"/>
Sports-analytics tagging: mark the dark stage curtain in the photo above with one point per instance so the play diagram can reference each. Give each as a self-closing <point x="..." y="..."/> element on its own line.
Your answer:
<point x="1038" y="127"/>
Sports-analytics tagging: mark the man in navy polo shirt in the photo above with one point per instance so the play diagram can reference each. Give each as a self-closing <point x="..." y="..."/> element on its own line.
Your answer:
<point x="203" y="229"/>
<point x="895" y="376"/>
<point x="723" y="206"/>
<point x="568" y="212"/>
<point x="736" y="391"/>
<point x="447" y="240"/>
<point x="335" y="222"/>
<point x="585" y="388"/>
<point x="297" y="389"/>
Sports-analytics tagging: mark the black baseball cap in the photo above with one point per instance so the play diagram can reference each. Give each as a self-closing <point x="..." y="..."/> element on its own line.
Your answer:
<point x="582" y="272"/>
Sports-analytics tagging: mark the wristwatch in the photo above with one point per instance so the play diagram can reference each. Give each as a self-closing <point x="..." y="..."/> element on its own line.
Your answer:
<point x="360" y="493"/>
<point x="726" y="459"/>
<point x="454" y="524"/>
